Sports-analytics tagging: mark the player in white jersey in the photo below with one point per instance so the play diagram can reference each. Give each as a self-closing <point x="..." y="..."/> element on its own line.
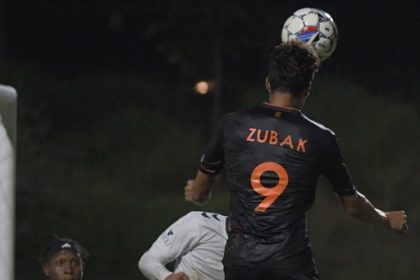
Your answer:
<point x="196" y="242"/>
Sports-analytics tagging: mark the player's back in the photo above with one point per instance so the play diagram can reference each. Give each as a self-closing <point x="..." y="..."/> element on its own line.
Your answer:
<point x="272" y="160"/>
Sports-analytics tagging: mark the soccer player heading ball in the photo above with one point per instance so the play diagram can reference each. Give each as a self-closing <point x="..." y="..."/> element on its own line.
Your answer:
<point x="272" y="155"/>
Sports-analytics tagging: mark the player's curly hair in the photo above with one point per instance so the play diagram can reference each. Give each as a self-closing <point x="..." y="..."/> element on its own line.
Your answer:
<point x="292" y="67"/>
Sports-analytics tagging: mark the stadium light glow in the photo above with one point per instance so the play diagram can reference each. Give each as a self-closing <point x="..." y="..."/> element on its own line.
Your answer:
<point x="202" y="87"/>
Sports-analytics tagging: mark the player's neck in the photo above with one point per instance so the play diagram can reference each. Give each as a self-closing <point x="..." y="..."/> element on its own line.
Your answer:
<point x="284" y="101"/>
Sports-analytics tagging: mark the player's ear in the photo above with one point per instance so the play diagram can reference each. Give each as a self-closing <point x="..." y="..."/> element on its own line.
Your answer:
<point x="46" y="270"/>
<point x="267" y="85"/>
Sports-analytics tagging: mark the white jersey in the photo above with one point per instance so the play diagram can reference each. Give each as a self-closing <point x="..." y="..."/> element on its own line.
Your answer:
<point x="196" y="242"/>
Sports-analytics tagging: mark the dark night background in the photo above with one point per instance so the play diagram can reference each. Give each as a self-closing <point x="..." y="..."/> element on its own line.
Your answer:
<point x="109" y="127"/>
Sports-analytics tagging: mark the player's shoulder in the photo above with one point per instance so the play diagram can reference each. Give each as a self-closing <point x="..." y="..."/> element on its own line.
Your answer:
<point x="185" y="225"/>
<point x="209" y="224"/>
<point x="320" y="128"/>
<point x="199" y="220"/>
<point x="198" y="217"/>
<point x="189" y="218"/>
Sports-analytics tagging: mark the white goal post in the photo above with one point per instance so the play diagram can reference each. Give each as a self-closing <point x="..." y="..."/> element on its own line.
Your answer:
<point x="8" y="125"/>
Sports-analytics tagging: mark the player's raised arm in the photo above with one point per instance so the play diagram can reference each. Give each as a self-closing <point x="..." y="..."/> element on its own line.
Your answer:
<point x="360" y="207"/>
<point x="355" y="203"/>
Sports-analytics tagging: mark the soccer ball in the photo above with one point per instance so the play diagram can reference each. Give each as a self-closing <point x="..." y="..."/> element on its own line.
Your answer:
<point x="313" y="26"/>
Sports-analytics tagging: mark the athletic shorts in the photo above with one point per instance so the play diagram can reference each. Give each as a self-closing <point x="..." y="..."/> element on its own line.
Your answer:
<point x="250" y="273"/>
<point x="253" y="259"/>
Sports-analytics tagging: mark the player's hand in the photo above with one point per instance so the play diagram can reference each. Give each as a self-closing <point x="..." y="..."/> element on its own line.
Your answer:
<point x="177" y="276"/>
<point x="188" y="190"/>
<point x="397" y="221"/>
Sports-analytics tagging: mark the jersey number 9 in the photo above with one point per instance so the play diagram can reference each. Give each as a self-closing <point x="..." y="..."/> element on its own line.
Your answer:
<point x="270" y="194"/>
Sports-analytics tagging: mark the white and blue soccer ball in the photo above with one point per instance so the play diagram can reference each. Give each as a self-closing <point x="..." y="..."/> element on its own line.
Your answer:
<point x="313" y="26"/>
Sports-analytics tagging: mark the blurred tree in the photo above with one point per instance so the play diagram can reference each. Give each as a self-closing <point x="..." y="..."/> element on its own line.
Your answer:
<point x="217" y="40"/>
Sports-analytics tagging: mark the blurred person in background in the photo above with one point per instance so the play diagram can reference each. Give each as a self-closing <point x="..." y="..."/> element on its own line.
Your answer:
<point x="63" y="259"/>
<point x="195" y="242"/>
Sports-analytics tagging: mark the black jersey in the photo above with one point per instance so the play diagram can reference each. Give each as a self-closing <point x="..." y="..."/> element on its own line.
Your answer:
<point x="272" y="158"/>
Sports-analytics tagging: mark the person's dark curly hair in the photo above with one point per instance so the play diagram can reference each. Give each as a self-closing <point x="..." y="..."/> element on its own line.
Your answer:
<point x="292" y="67"/>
